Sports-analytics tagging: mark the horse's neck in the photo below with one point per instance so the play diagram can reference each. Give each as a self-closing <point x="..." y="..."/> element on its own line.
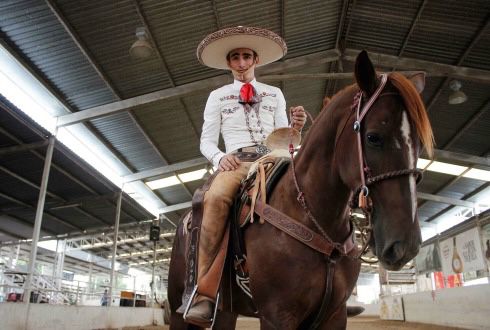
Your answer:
<point x="318" y="175"/>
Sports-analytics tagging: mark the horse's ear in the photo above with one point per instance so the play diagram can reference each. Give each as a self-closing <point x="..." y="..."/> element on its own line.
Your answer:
<point x="418" y="80"/>
<point x="365" y="73"/>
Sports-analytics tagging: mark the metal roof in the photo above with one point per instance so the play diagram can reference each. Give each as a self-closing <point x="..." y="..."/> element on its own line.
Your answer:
<point x="80" y="50"/>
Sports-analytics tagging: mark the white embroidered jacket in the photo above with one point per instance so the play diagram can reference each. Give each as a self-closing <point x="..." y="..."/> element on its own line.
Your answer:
<point x="240" y="126"/>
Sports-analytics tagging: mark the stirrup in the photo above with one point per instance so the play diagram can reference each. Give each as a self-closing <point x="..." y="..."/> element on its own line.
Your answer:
<point x="189" y="303"/>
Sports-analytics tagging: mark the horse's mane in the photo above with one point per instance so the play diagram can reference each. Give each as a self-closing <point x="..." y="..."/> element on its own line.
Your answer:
<point x="416" y="109"/>
<point x="413" y="103"/>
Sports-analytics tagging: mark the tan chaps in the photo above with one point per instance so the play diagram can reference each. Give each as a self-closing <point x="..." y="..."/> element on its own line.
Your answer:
<point x="212" y="248"/>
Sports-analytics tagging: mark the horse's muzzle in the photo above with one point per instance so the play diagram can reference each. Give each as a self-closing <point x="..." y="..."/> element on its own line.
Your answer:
<point x="397" y="254"/>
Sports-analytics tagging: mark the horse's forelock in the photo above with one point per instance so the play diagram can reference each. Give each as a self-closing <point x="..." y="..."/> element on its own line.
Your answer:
<point x="416" y="109"/>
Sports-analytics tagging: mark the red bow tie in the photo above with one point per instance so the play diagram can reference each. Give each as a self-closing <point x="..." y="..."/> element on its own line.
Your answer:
<point x="247" y="93"/>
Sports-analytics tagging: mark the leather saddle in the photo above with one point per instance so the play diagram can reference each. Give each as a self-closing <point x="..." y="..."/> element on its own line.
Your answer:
<point x="240" y="216"/>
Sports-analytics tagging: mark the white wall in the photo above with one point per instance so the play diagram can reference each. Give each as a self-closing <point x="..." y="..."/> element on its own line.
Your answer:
<point x="466" y="307"/>
<point x="17" y="316"/>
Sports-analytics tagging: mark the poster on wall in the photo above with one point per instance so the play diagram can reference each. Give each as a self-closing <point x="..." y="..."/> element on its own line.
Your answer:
<point x="391" y="308"/>
<point x="428" y="259"/>
<point x="485" y="232"/>
<point x="462" y="253"/>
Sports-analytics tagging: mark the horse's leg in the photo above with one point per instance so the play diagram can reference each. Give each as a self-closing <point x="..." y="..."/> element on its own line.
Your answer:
<point x="225" y="321"/>
<point x="176" y="276"/>
<point x="177" y="323"/>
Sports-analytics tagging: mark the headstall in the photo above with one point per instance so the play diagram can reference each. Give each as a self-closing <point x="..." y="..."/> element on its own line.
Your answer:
<point x="360" y="197"/>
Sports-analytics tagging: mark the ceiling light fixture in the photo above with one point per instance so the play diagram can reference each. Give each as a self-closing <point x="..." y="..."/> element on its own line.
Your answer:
<point x="141" y="48"/>
<point x="174" y="180"/>
<point x="457" y="97"/>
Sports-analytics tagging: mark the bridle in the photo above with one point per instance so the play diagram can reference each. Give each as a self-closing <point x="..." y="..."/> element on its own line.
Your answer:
<point x="360" y="198"/>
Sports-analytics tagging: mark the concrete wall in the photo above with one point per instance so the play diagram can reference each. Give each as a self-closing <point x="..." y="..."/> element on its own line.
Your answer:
<point x="466" y="307"/>
<point x="17" y="316"/>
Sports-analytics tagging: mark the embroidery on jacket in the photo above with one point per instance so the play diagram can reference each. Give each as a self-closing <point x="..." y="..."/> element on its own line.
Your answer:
<point x="269" y="108"/>
<point x="267" y="94"/>
<point x="228" y="97"/>
<point x="229" y="111"/>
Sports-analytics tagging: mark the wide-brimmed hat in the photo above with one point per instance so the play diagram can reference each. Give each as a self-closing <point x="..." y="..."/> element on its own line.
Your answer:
<point x="281" y="137"/>
<point x="213" y="49"/>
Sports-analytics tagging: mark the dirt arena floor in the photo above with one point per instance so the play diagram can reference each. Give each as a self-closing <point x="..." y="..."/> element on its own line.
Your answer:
<point x="357" y="323"/>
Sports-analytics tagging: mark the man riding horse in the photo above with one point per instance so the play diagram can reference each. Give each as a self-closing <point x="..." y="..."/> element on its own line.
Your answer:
<point x="245" y="113"/>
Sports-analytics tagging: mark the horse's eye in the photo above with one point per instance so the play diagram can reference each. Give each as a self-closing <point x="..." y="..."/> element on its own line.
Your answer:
<point x="375" y="140"/>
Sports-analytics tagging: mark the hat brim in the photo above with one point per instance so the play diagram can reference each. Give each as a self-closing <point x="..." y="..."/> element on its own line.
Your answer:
<point x="212" y="51"/>
<point x="280" y="138"/>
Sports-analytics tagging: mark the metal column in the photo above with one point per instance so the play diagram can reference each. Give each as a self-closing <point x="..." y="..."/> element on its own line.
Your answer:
<point x="39" y="218"/>
<point x="114" y="245"/>
<point x="152" y="292"/>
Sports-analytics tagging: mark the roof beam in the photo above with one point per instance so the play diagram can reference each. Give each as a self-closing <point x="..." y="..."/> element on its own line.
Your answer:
<point x="447" y="200"/>
<point x="29" y="206"/>
<point x="466" y="159"/>
<point x="177" y="207"/>
<point x="171" y="79"/>
<point x="447" y="209"/>
<point x="11" y="234"/>
<point x="412" y="27"/>
<point x="331" y="75"/>
<point x="102" y="75"/>
<point x="461" y="59"/>
<point x="49" y="193"/>
<point x="23" y="147"/>
<point x="164" y="169"/>
<point x="476" y="117"/>
<point x="386" y="60"/>
<point x="190" y="88"/>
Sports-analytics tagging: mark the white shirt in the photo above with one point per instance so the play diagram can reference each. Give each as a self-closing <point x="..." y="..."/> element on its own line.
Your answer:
<point x="240" y="127"/>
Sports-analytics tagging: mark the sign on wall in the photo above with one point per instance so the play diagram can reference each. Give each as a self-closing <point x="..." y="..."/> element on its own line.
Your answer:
<point x="391" y="308"/>
<point x="428" y="259"/>
<point x="485" y="232"/>
<point x="462" y="253"/>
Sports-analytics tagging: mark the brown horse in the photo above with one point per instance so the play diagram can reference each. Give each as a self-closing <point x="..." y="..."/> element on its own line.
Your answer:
<point x="288" y="279"/>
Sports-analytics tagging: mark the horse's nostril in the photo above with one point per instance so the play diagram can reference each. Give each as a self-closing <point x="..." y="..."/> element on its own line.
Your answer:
<point x="393" y="253"/>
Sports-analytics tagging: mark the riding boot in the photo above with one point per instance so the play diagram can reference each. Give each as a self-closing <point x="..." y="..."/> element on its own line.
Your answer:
<point x="213" y="242"/>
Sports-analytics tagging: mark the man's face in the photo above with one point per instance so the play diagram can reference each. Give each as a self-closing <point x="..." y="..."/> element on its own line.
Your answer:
<point x="242" y="62"/>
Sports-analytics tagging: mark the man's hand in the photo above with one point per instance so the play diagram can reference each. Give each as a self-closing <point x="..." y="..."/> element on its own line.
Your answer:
<point x="298" y="117"/>
<point x="229" y="163"/>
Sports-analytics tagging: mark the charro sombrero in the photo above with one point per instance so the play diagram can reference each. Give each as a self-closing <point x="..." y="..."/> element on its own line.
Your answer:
<point x="281" y="137"/>
<point x="213" y="49"/>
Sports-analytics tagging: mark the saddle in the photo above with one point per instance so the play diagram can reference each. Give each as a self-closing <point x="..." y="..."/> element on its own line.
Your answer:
<point x="259" y="183"/>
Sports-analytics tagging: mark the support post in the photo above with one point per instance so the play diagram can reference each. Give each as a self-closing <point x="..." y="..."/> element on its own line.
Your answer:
<point x="114" y="246"/>
<point x="152" y="292"/>
<point x="38" y="219"/>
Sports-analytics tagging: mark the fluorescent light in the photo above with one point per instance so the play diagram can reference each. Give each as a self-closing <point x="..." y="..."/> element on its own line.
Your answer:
<point x="475" y="173"/>
<point x="192" y="176"/>
<point x="446" y="168"/>
<point x="174" y="180"/>
<point x="163" y="183"/>
<point x="422" y="163"/>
